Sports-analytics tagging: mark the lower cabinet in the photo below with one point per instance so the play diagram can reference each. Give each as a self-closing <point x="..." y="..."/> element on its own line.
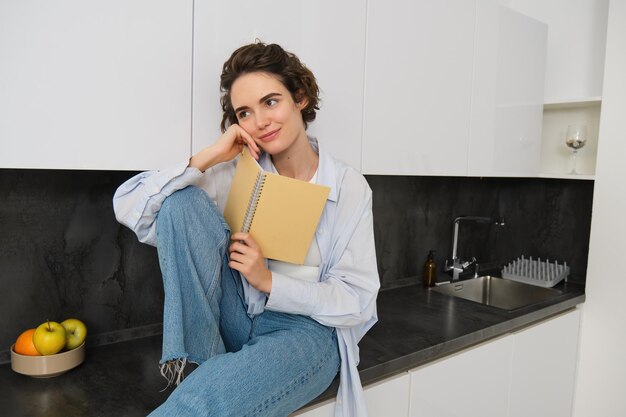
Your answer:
<point x="326" y="410"/>
<point x="388" y="398"/>
<point x="530" y="372"/>
<point x="470" y="383"/>
<point x="543" y="370"/>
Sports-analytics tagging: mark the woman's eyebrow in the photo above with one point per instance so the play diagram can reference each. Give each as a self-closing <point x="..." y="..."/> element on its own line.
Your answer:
<point x="261" y="100"/>
<point x="270" y="95"/>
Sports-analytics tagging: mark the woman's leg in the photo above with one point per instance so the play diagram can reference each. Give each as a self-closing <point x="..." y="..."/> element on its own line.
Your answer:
<point x="276" y="363"/>
<point x="192" y="243"/>
<point x="288" y="361"/>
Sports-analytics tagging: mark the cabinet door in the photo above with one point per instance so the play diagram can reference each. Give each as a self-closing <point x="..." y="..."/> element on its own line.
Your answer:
<point x="417" y="86"/>
<point x="474" y="382"/>
<point x="98" y="85"/>
<point x="576" y="45"/>
<point x="328" y="36"/>
<point x="389" y="398"/>
<point x="544" y="368"/>
<point x="326" y="410"/>
<point x="507" y="96"/>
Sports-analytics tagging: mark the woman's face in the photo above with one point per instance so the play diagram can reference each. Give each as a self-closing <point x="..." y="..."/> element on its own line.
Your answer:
<point x="265" y="109"/>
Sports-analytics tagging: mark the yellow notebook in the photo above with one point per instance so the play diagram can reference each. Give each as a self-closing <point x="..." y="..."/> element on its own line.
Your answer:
<point x="280" y="213"/>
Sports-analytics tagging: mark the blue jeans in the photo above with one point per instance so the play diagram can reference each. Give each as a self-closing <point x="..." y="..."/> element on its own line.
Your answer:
<point x="267" y="365"/>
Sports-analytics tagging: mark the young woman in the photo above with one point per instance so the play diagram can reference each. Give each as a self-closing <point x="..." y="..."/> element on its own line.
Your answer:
<point x="268" y="336"/>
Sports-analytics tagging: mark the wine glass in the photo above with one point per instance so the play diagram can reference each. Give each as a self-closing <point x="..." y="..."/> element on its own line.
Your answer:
<point x="575" y="138"/>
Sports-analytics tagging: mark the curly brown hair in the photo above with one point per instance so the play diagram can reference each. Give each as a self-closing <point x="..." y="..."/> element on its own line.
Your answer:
<point x="272" y="59"/>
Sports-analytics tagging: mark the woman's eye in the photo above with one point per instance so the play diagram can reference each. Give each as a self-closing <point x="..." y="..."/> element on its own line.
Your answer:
<point x="242" y="114"/>
<point x="271" y="102"/>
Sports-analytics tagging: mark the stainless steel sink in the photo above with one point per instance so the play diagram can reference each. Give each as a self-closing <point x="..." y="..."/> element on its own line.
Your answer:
<point x="498" y="292"/>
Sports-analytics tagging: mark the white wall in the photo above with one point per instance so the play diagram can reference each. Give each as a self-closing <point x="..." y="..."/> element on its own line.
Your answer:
<point x="602" y="367"/>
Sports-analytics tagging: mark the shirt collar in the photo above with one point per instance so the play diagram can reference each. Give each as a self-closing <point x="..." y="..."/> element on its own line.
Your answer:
<point x="326" y="173"/>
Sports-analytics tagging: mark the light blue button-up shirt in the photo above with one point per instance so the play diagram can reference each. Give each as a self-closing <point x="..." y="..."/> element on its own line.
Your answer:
<point x="344" y="297"/>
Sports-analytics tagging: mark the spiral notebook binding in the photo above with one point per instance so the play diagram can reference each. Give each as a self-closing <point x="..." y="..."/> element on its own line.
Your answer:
<point x="254" y="202"/>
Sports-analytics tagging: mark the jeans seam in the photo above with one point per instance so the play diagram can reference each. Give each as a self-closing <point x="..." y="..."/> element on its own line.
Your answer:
<point x="215" y="284"/>
<point x="300" y="380"/>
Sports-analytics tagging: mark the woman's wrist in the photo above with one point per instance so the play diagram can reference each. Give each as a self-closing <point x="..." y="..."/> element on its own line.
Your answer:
<point x="267" y="287"/>
<point x="204" y="159"/>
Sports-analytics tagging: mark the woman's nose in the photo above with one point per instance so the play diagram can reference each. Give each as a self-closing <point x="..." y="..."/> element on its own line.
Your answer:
<point x="262" y="121"/>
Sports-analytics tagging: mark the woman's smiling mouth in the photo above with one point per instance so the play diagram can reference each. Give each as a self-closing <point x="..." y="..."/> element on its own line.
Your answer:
<point x="269" y="136"/>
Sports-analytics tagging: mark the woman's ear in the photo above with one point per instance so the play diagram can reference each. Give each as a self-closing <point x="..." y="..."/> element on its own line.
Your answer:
<point x="301" y="99"/>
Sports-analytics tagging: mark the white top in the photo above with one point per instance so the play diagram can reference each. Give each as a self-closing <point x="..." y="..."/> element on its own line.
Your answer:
<point x="307" y="272"/>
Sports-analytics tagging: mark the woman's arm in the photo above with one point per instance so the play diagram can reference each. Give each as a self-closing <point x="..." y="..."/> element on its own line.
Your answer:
<point x="227" y="147"/>
<point x="137" y="202"/>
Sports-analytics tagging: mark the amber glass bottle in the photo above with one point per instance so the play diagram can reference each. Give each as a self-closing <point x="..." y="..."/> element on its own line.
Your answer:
<point x="430" y="270"/>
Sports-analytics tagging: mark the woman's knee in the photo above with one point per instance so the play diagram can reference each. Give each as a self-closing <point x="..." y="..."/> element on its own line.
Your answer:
<point x="191" y="208"/>
<point x="180" y="202"/>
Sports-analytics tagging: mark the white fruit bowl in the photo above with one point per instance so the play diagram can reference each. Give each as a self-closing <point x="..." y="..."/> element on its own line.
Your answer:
<point x="49" y="365"/>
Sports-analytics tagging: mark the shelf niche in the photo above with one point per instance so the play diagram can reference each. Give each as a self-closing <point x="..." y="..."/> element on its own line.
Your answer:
<point x="556" y="158"/>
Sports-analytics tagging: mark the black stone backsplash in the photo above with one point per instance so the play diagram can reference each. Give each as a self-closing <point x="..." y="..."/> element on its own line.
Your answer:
<point x="545" y="218"/>
<point x="62" y="253"/>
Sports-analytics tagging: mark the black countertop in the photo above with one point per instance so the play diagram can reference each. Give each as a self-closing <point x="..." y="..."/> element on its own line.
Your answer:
<point x="415" y="326"/>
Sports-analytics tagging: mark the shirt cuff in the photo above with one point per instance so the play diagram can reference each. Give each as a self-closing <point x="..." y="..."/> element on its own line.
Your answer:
<point x="172" y="179"/>
<point x="290" y="295"/>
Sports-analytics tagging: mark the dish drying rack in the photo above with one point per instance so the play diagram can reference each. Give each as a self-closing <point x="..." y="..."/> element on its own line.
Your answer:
<point x="536" y="272"/>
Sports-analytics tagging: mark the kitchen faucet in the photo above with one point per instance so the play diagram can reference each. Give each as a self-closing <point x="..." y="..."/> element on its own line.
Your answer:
<point x="456" y="265"/>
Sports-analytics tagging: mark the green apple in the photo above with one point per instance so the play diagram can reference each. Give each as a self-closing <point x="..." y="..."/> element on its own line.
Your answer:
<point x="75" y="333"/>
<point x="49" y="338"/>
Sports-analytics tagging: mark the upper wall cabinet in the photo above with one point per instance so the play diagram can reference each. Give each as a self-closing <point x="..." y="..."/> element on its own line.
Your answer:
<point x="507" y="92"/>
<point x="576" y="45"/>
<point x="97" y="85"/>
<point x="328" y="36"/>
<point x="418" y="84"/>
<point x="574" y="74"/>
<point x="452" y="88"/>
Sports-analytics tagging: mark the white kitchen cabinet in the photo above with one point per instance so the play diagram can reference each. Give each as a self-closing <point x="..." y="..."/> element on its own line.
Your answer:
<point x="452" y="88"/>
<point x="328" y="36"/>
<point x="96" y="85"/>
<point x="576" y="46"/>
<point x="319" y="410"/>
<point x="388" y="398"/>
<point x="530" y="372"/>
<point x="473" y="382"/>
<point x="507" y="93"/>
<point x="574" y="77"/>
<point x="544" y="368"/>
<point x="417" y="87"/>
